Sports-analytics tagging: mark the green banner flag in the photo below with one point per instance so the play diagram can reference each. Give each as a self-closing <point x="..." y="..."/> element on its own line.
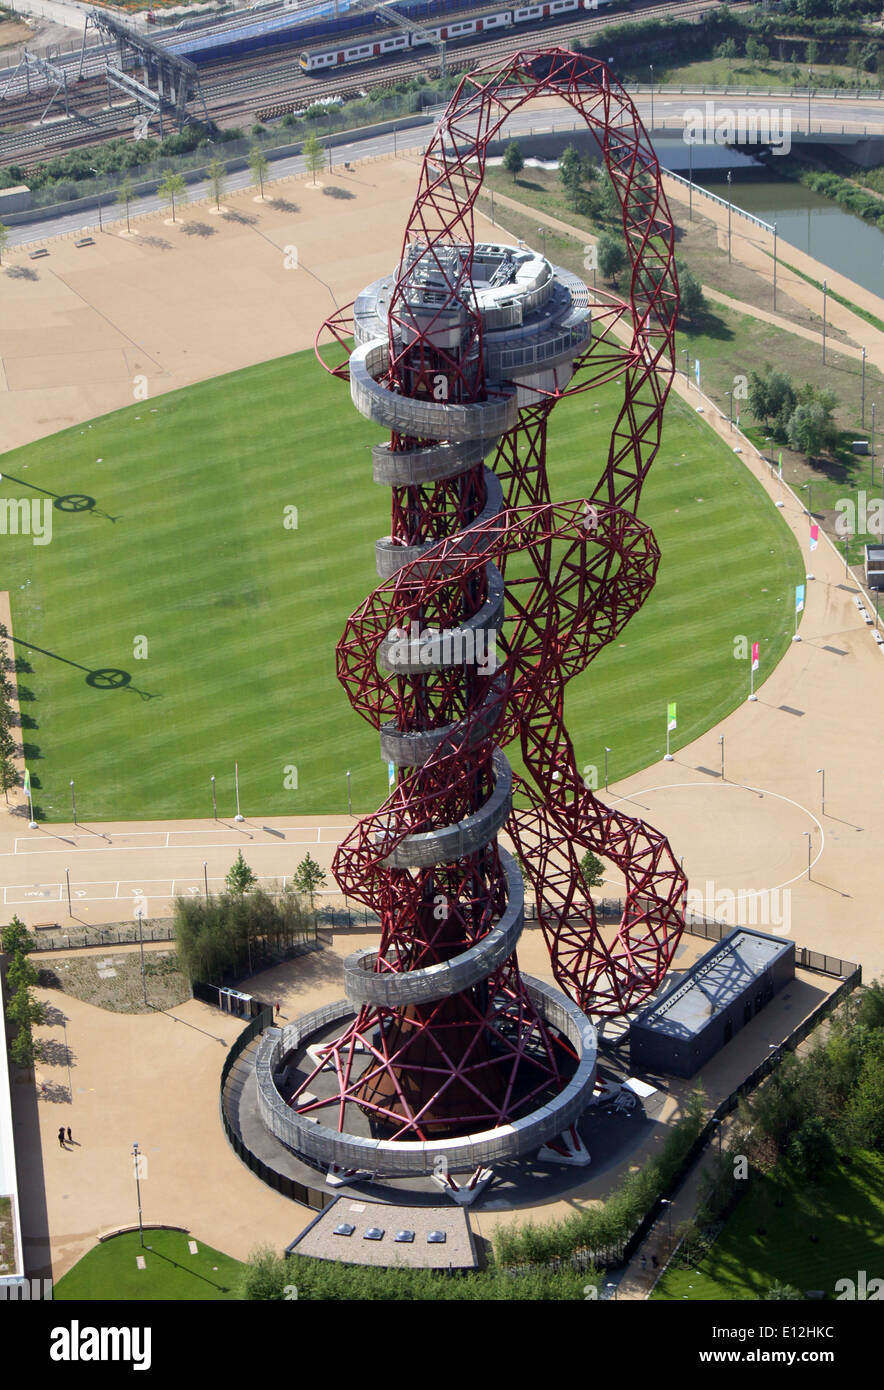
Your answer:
<point x="670" y="717"/>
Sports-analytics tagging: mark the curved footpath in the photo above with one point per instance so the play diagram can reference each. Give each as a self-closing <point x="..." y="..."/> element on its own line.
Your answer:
<point x="155" y="1078"/>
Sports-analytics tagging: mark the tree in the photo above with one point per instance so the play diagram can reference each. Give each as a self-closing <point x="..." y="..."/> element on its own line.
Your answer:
<point x="308" y="877"/>
<point x="124" y="195"/>
<point x="21" y="1049"/>
<point x="8" y="775"/>
<point x="807" y="428"/>
<point x="313" y="153"/>
<point x="781" y="1293"/>
<point x="4" y="238"/>
<point x="605" y="202"/>
<point x="240" y="877"/>
<point x="811" y="1149"/>
<point x="611" y="256"/>
<point x="692" y="301"/>
<point x="172" y="187"/>
<point x="16" y="939"/>
<point x="772" y="397"/>
<point x="259" y="165"/>
<point x="756" y="51"/>
<point x="513" y="160"/>
<point x="574" y="171"/>
<point x="216" y="174"/>
<point x="592" y="870"/>
<point x="21" y="973"/>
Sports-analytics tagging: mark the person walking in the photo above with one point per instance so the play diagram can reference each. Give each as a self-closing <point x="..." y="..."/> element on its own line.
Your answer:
<point x="61" y="1136"/>
<point x="70" y="1136"/>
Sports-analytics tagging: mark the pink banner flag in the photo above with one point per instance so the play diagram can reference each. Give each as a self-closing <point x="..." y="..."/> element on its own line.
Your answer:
<point x="814" y="536"/>
<point x="755" y="661"/>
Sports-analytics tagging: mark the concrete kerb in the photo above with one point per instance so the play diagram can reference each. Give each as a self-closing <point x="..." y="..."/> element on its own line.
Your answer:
<point x="145" y="1226"/>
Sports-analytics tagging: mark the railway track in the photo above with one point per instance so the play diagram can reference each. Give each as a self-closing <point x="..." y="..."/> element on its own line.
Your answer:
<point x="235" y="92"/>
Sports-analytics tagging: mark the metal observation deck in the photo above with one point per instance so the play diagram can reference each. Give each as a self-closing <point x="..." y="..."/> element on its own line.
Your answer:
<point x="535" y="320"/>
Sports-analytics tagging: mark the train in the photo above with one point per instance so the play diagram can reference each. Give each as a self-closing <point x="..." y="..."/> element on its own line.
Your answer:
<point x="263" y="29"/>
<point x="372" y="46"/>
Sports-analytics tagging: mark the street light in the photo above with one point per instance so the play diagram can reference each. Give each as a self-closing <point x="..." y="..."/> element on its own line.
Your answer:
<point x="721" y="746"/>
<point x="73" y="803"/>
<point x="139" y="913"/>
<point x="862" y="419"/>
<point x="730" y="407"/>
<point x="349" y="800"/>
<point x="809" y="845"/>
<point x="100" y="222"/>
<point x="541" y="231"/>
<point x="137" y="1157"/>
<point x="607" y="751"/>
<point x="809" y="487"/>
<point x="214" y="802"/>
<point x="206" y="878"/>
<point x="822" y="772"/>
<point x="651" y="66"/>
<point x="729" y="181"/>
<point x="825" y="295"/>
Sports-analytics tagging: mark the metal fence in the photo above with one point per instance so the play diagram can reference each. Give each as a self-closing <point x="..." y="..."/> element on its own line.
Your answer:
<point x="63" y="939"/>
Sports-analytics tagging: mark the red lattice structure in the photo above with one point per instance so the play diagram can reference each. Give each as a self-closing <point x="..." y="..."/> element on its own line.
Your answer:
<point x="448" y="1037"/>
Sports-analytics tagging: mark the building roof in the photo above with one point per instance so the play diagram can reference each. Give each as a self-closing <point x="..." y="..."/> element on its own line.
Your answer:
<point x="713" y="983"/>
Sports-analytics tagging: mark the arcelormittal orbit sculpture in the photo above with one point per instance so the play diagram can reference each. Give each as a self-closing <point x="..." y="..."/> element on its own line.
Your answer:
<point x="491" y="597"/>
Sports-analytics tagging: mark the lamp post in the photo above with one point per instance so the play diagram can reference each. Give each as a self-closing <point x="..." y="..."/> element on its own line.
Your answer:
<point x="873" y="443"/>
<point x="137" y="1157"/>
<point x="607" y="751"/>
<point x="775" y="267"/>
<point x="822" y="772"/>
<point x="730" y="407"/>
<point x="666" y="1202"/>
<point x="139" y="913"/>
<point x="690" y="180"/>
<point x="809" y="90"/>
<point x="825" y="294"/>
<point x="729" y="181"/>
<point x="721" y="747"/>
<point x="809" y="487"/>
<point x="651" y="66"/>
<point x="67" y="875"/>
<point x="73" y="803"/>
<point x="349" y="800"/>
<point x="862" y="417"/>
<point x="214" y="802"/>
<point x="100" y="222"/>
<point x="206" y="878"/>
<point x="541" y="231"/>
<point x="809" y="849"/>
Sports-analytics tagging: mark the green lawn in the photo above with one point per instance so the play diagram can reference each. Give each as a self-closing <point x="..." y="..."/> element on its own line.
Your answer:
<point x="109" y="1271"/>
<point x="763" y="1243"/>
<point x="186" y="547"/>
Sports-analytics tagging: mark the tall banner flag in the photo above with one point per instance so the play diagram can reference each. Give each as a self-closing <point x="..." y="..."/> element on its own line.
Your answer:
<point x="391" y="775"/>
<point x="755" y="661"/>
<point x="753" y="667"/>
<point x="697" y="372"/>
<point x="780" y="469"/>
<point x="670" y="725"/>
<point x="814" y="537"/>
<point x="27" y="782"/>
<point x="799" y="608"/>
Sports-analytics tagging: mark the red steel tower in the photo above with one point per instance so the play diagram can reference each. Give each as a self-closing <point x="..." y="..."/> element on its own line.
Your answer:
<point x="491" y="597"/>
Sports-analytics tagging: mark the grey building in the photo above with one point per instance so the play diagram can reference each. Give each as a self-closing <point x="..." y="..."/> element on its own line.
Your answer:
<point x="722" y="991"/>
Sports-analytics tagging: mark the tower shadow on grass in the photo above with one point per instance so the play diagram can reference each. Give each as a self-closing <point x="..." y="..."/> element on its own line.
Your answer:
<point x="99" y="678"/>
<point x="64" y="501"/>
